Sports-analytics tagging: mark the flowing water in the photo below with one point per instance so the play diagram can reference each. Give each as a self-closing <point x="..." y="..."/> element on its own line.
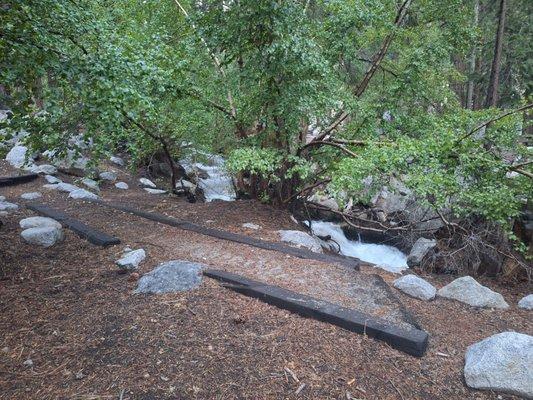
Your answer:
<point x="386" y="257"/>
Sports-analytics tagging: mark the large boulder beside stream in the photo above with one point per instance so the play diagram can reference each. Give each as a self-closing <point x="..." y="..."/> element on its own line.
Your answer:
<point x="421" y="247"/>
<point x="468" y="290"/>
<point x="301" y="239"/>
<point x="502" y="363"/>
<point x="415" y="286"/>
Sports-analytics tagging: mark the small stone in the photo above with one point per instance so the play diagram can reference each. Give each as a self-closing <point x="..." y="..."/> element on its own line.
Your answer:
<point x="44" y="236"/>
<point x="421" y="247"/>
<point x="250" y="225"/>
<point x="117" y="160"/>
<point x="66" y="187"/>
<point x="52" y="179"/>
<point x="122" y="185"/>
<point x="39" y="222"/>
<point x="171" y="276"/>
<point x="91" y="184"/>
<point x="155" y="191"/>
<point x="82" y="194"/>
<point x="147" y="183"/>
<point x="79" y="375"/>
<point x="28" y="363"/>
<point x="501" y="363"/>
<point x="131" y="260"/>
<point x="108" y="176"/>
<point x="526" y="303"/>
<point x="468" y="290"/>
<point x="31" y="195"/>
<point x="416" y="287"/>
<point x="7" y="206"/>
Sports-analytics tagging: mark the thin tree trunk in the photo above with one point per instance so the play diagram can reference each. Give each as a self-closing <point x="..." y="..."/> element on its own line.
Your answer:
<point x="470" y="89"/>
<point x="492" y="92"/>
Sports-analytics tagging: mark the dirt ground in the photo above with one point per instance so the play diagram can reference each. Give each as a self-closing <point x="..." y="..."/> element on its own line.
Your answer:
<point x="88" y="336"/>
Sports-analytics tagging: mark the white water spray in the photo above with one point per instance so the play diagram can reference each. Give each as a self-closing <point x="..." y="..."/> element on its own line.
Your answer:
<point x="386" y="257"/>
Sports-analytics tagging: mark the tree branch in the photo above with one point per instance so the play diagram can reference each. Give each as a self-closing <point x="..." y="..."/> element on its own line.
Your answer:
<point x="484" y="124"/>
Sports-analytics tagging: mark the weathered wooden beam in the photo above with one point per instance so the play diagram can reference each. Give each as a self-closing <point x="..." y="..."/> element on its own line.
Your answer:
<point x="91" y="234"/>
<point x="16" y="180"/>
<point x="411" y="341"/>
<point x="234" y="237"/>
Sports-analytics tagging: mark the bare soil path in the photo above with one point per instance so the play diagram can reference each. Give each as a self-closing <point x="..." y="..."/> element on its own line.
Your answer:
<point x="90" y="337"/>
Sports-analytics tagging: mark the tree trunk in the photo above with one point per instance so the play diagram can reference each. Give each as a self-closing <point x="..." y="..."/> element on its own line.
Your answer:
<point x="470" y="89"/>
<point x="492" y="92"/>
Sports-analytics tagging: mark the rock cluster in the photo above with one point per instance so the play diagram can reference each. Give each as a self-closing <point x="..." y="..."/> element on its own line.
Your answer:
<point x="41" y="231"/>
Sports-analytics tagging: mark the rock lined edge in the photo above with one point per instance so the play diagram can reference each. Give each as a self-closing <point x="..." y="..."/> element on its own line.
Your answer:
<point x="413" y="341"/>
<point x="234" y="237"/>
<point x="94" y="236"/>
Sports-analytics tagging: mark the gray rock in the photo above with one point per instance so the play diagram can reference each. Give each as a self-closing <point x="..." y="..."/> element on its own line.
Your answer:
<point x="250" y="225"/>
<point x="91" y="184"/>
<point x="39" y="222"/>
<point x="66" y="187"/>
<point x="28" y="363"/>
<point x="147" y="183"/>
<point x="44" y="236"/>
<point x="82" y="194"/>
<point x="122" y="185"/>
<point x="468" y="290"/>
<point x="301" y="239"/>
<point x="131" y="259"/>
<point x="415" y="287"/>
<point x="421" y="247"/>
<point x="502" y="363"/>
<point x="43" y="169"/>
<point x="526" y="303"/>
<point x="183" y="183"/>
<point x="325" y="201"/>
<point x="171" y="276"/>
<point x="155" y="191"/>
<point x="2" y="198"/>
<point x="31" y="195"/>
<point x="7" y="206"/>
<point x="16" y="157"/>
<point x="50" y="186"/>
<point x="108" y="176"/>
<point x="52" y="179"/>
<point x="117" y="160"/>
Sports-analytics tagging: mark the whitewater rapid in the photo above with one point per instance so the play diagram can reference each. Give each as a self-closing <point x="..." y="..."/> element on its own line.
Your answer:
<point x="386" y="257"/>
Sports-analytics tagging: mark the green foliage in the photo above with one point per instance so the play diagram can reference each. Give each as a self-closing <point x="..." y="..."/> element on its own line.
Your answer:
<point x="252" y="79"/>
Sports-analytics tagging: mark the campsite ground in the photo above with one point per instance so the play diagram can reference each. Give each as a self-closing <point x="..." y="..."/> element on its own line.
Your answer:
<point x="89" y="336"/>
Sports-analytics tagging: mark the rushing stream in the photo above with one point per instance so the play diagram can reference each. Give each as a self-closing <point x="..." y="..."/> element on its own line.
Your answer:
<point x="386" y="257"/>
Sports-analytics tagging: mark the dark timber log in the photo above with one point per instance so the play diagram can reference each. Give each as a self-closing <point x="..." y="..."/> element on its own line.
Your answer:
<point x="92" y="235"/>
<point x="411" y="341"/>
<point x="16" y="180"/>
<point x="234" y="237"/>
